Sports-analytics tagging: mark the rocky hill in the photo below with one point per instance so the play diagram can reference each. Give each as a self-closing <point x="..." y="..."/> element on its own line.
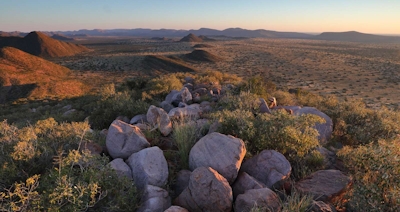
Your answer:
<point x="39" y="44"/>
<point x="23" y="75"/>
<point x="191" y="38"/>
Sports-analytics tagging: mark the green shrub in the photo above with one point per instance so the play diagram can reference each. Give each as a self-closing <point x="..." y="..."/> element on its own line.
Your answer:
<point x="242" y="101"/>
<point x="293" y="136"/>
<point x="106" y="110"/>
<point x="185" y="136"/>
<point x="375" y="169"/>
<point x="296" y="202"/>
<point x="258" y="85"/>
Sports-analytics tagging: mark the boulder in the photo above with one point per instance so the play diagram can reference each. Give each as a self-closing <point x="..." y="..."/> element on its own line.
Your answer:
<point x="169" y="98"/>
<point x="186" y="96"/>
<point x="324" y="129"/>
<point x="189" y="86"/>
<point x="121" y="168"/>
<point x="92" y="147"/>
<point x="154" y="199"/>
<point x="141" y="118"/>
<point x="221" y="152"/>
<point x="149" y="167"/>
<point x="329" y="157"/>
<point x="262" y="198"/>
<point x="190" y="111"/>
<point x="158" y="117"/>
<point x="123" y="139"/>
<point x="201" y="91"/>
<point x="166" y="106"/>
<point x="264" y="106"/>
<point x="207" y="191"/>
<point x="188" y="80"/>
<point x="68" y="113"/>
<point x="123" y="118"/>
<point x="269" y="167"/>
<point x="243" y="183"/>
<point x="175" y="208"/>
<point x="324" y="185"/>
<point x="182" y="181"/>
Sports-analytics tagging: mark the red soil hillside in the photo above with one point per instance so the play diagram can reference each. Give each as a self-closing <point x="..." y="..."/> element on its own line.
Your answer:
<point x="39" y="44"/>
<point x="26" y="76"/>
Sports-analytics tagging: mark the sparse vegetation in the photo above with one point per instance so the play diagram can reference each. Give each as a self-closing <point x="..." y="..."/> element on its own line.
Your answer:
<point x="43" y="169"/>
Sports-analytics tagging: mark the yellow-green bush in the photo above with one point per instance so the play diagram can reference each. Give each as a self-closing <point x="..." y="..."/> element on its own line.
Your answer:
<point x="376" y="170"/>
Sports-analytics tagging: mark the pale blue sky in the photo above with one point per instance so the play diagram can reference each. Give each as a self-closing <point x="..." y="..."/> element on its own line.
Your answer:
<point x="370" y="16"/>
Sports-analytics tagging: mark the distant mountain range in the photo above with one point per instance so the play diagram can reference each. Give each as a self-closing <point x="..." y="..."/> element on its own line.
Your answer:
<point x="351" y="36"/>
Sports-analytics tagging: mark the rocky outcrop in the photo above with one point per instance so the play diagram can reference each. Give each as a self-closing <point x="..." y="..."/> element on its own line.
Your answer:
<point x="192" y="111"/>
<point x="154" y="199"/>
<point x="123" y="140"/>
<point x="268" y="167"/>
<point x="221" y="152"/>
<point x="149" y="167"/>
<point x="207" y="191"/>
<point x="262" y="198"/>
<point x="158" y="117"/>
<point x="324" y="185"/>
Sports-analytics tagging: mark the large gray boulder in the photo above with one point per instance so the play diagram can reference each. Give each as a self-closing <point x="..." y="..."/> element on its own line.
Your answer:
<point x="141" y="118"/>
<point x="158" y="117"/>
<point x="207" y="191"/>
<point x="123" y="139"/>
<point x="122" y="169"/>
<point x="192" y="111"/>
<point x="324" y="185"/>
<point x="324" y="129"/>
<point x="149" y="167"/>
<point x="154" y="199"/>
<point x="269" y="167"/>
<point x="221" y="152"/>
<point x="262" y="198"/>
<point x="243" y="183"/>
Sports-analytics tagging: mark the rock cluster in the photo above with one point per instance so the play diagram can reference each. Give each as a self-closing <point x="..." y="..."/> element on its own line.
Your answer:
<point x="219" y="178"/>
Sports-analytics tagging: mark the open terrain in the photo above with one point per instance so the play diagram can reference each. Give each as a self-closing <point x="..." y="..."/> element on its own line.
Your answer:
<point x="347" y="69"/>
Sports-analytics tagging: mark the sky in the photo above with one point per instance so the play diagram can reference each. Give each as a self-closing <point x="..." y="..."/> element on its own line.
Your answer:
<point x="368" y="16"/>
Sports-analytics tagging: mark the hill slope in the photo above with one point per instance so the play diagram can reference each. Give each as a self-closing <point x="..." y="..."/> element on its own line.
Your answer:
<point x="202" y="56"/>
<point x="26" y="76"/>
<point x="39" y="44"/>
<point x="166" y="64"/>
<point x="353" y="36"/>
<point x="61" y="37"/>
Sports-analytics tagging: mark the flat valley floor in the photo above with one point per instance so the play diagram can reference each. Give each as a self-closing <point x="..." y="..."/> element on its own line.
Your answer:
<point x="348" y="70"/>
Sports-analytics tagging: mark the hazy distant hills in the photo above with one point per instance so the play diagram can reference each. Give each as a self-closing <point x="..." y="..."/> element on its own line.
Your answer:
<point x="23" y="75"/>
<point x="233" y="32"/>
<point x="353" y="36"/>
<point x="61" y="37"/>
<point x="39" y="44"/>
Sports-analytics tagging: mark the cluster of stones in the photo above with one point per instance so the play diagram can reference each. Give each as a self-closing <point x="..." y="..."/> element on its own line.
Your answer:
<point x="218" y="179"/>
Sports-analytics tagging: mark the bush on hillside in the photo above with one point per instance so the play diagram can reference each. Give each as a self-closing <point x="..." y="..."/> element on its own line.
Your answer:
<point x="376" y="169"/>
<point x="114" y="104"/>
